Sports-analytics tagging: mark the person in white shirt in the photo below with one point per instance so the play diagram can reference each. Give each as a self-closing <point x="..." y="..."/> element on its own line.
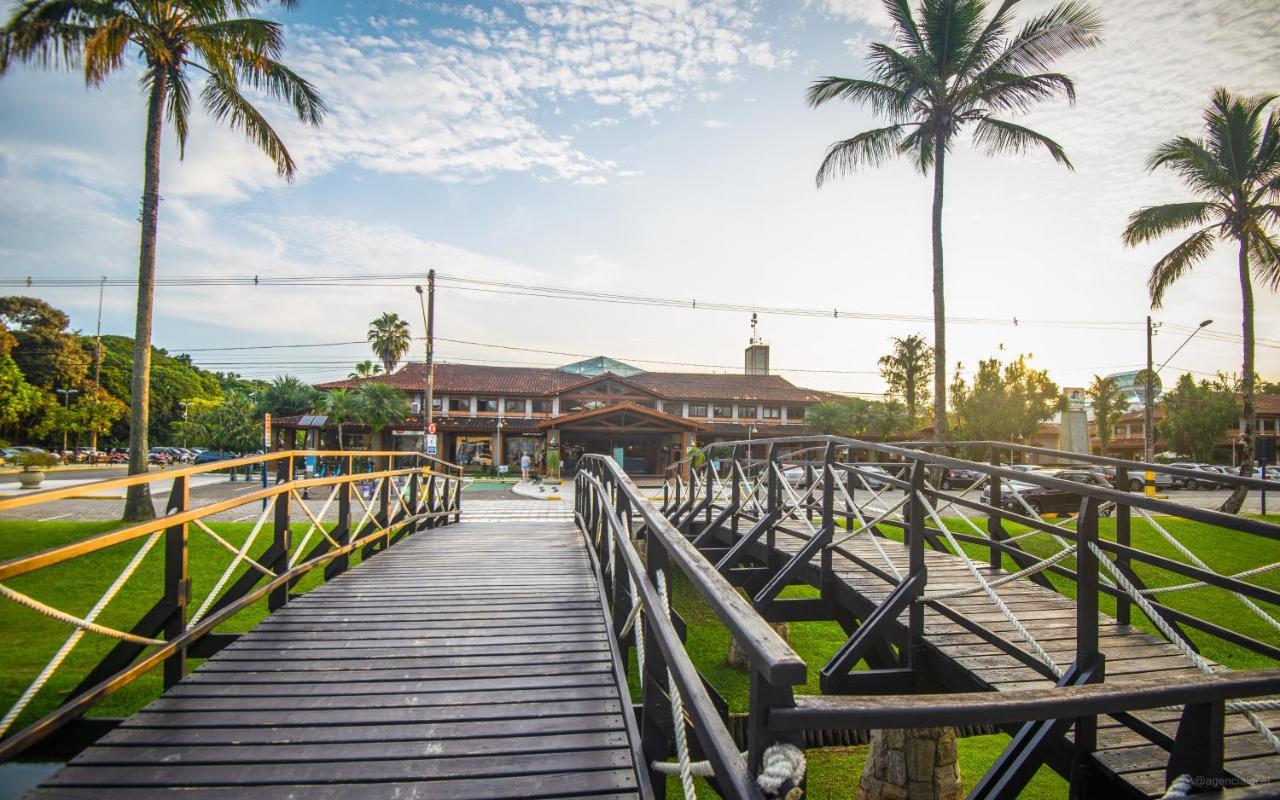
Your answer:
<point x="524" y="467"/>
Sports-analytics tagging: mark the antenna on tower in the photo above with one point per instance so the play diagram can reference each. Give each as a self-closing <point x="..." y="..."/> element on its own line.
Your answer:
<point x="755" y="336"/>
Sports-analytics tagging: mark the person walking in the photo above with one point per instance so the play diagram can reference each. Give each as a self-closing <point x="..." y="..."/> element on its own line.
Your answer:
<point x="524" y="466"/>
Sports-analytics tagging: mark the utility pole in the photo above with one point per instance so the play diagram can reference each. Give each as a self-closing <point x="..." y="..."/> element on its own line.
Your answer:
<point x="1148" y="411"/>
<point x="97" y="368"/>
<point x="429" y="367"/>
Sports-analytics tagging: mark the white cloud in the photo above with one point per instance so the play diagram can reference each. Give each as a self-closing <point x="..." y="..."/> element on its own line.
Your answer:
<point x="715" y="123"/>
<point x="868" y="12"/>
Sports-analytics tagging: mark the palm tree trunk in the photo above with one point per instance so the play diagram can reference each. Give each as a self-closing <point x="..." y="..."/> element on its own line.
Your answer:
<point x="137" y="505"/>
<point x="1249" y="422"/>
<point x="939" y="301"/>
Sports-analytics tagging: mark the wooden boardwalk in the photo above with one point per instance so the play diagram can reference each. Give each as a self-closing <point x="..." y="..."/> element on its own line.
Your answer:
<point x="972" y="664"/>
<point x="470" y="661"/>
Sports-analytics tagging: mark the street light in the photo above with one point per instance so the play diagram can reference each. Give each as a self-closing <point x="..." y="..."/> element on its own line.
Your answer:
<point x="428" y="322"/>
<point x="1148" y="412"/>
<point x="183" y="405"/>
<point x="66" y="399"/>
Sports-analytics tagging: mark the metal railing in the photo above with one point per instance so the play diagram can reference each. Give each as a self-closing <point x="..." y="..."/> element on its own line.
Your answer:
<point x="407" y="492"/>
<point x="613" y="515"/>
<point x="737" y="509"/>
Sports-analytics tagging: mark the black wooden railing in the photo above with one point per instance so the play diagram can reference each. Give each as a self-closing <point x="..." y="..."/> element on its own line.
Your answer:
<point x="613" y="515"/>
<point x="734" y="506"/>
<point x="407" y="492"/>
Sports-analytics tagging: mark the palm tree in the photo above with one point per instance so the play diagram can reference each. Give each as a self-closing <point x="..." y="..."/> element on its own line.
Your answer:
<point x="364" y="369"/>
<point x="905" y="371"/>
<point x="341" y="406"/>
<point x="174" y="39"/>
<point x="1109" y="405"/>
<point x="389" y="337"/>
<point x="889" y="417"/>
<point x="952" y="69"/>
<point x="286" y="396"/>
<point x="381" y="406"/>
<point x="1235" y="171"/>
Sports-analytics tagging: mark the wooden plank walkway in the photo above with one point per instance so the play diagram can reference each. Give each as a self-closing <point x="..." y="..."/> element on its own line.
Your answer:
<point x="470" y="661"/>
<point x="1050" y="618"/>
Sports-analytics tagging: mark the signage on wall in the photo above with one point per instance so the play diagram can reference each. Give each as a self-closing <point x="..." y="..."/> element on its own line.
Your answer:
<point x="432" y="444"/>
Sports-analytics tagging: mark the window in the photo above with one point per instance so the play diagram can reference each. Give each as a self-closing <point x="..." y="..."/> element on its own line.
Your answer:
<point x="514" y="406"/>
<point x="697" y="409"/>
<point x="746" y="412"/>
<point x="460" y="405"/>
<point x="722" y="412"/>
<point x="487" y="405"/>
<point x="772" y="412"/>
<point x="542" y="406"/>
<point x="795" y="412"/>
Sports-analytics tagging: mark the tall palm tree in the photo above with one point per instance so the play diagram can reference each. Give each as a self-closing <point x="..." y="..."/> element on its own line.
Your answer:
<point x="1235" y="171"/>
<point x="905" y="370"/>
<point x="381" y="406"/>
<point x="287" y="396"/>
<point x="175" y="40"/>
<point x="389" y="337"/>
<point x="341" y="406"/>
<point x="364" y="369"/>
<point x="1109" y="405"/>
<point x="953" y="68"/>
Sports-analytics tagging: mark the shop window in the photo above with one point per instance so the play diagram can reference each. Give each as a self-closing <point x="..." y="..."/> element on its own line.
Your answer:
<point x="772" y="412"/>
<point x="541" y="406"/>
<point x="697" y="410"/>
<point x="514" y="406"/>
<point x="473" y="451"/>
<point x="517" y="446"/>
<point x="487" y="405"/>
<point x="459" y="405"/>
<point x="795" y="412"/>
<point x="722" y="412"/>
<point x="746" y="412"/>
<point x="437" y="403"/>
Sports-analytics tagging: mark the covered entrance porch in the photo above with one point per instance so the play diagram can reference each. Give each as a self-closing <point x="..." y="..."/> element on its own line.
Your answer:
<point x="643" y="440"/>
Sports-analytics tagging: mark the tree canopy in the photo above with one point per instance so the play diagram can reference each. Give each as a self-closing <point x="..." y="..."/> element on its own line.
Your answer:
<point x="1196" y="416"/>
<point x="1004" y="402"/>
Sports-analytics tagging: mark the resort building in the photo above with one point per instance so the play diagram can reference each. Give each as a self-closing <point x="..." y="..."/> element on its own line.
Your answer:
<point x="1127" y="441"/>
<point x="487" y="416"/>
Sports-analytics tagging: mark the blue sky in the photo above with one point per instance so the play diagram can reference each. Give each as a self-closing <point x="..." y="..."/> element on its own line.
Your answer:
<point x="651" y="147"/>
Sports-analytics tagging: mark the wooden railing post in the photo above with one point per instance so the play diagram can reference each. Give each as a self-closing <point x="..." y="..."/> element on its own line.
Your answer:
<point x="384" y="503"/>
<point x="414" y="509"/>
<point x="915" y="564"/>
<point x="1123" y="538"/>
<point x="773" y="506"/>
<point x="735" y="496"/>
<point x="431" y="500"/>
<point x="657" y="733"/>
<point x="177" y="581"/>
<point x="341" y="532"/>
<point x="995" y="526"/>
<point x="828" y="487"/>
<point x="711" y="484"/>
<point x="281" y="544"/>
<point x="1198" y="747"/>
<point x="457" y="497"/>
<point x="1089" y="660"/>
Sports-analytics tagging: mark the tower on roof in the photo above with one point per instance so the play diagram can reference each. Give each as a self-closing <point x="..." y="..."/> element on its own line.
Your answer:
<point x="756" y="361"/>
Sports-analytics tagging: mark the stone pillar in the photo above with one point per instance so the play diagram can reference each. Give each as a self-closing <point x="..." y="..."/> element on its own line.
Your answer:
<point x="916" y="764"/>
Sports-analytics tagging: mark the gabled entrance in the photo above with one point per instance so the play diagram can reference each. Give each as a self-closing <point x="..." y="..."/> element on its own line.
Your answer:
<point x="643" y="440"/>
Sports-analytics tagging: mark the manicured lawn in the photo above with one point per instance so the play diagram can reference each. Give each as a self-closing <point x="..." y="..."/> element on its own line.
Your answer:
<point x="31" y="639"/>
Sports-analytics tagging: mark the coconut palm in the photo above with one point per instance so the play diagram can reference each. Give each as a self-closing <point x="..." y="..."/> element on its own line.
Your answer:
<point x="175" y="39"/>
<point x="389" y="337"/>
<point x="287" y="396"/>
<point x="952" y="68"/>
<point x="341" y="406"/>
<point x="365" y="369"/>
<point x="1235" y="172"/>
<point x="380" y="406"/>
<point x="906" y="372"/>
<point x="1109" y="405"/>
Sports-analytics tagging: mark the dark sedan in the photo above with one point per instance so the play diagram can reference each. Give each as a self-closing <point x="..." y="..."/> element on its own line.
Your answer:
<point x="1043" y="499"/>
<point x="210" y="456"/>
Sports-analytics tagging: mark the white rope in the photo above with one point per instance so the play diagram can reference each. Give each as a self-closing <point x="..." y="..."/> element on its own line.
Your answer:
<point x="79" y="622"/>
<point x="779" y="764"/>
<point x="228" y="546"/>
<point x="677" y="708"/>
<point x="1038" y="567"/>
<point x="1195" y="658"/>
<point x="1181" y="787"/>
<point x="875" y="540"/>
<point x="1039" y="651"/>
<point x="1249" y="573"/>
<point x="1249" y="604"/>
<point x="40" y="680"/>
<point x="235" y="562"/>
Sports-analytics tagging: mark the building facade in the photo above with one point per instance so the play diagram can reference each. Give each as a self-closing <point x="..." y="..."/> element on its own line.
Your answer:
<point x="487" y="416"/>
<point x="1127" y="440"/>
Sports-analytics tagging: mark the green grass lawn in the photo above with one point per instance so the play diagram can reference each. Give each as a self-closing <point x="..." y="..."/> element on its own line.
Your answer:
<point x="74" y="586"/>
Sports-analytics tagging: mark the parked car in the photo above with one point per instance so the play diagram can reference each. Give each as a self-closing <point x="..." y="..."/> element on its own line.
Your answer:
<point x="210" y="456"/>
<point x="873" y="476"/>
<point x="1207" y="482"/>
<point x="954" y="478"/>
<point x="1044" y="499"/>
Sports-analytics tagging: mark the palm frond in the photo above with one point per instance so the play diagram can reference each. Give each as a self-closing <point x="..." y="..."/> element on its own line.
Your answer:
<point x="986" y="45"/>
<point x="904" y="24"/>
<point x="1152" y="222"/>
<point x="1009" y="91"/>
<point x="1194" y="164"/>
<point x="905" y="72"/>
<point x="999" y="136"/>
<point x="919" y="145"/>
<point x="1065" y="28"/>
<point x="1264" y="258"/>
<point x="104" y="51"/>
<point x="882" y="98"/>
<point x="178" y="107"/>
<point x="258" y="36"/>
<point x="272" y="78"/>
<point x="50" y="33"/>
<point x="950" y="27"/>
<point x="869" y="148"/>
<point x="224" y="102"/>
<point x="1191" y="251"/>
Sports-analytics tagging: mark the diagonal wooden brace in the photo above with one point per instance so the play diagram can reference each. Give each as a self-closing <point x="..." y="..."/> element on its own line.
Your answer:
<point x="870" y="631"/>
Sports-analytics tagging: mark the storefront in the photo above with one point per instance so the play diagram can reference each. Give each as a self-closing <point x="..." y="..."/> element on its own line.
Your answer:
<point x="644" y="441"/>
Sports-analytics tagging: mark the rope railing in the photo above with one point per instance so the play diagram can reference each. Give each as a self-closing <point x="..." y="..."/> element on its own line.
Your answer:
<point x="155" y="640"/>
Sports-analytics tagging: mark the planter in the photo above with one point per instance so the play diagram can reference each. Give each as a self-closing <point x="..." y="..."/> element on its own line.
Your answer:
<point x="31" y="479"/>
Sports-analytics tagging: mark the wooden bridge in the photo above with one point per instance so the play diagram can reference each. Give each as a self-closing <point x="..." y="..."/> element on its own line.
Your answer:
<point x="485" y="651"/>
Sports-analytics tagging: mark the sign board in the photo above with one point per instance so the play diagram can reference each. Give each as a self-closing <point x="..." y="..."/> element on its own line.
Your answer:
<point x="1264" y="449"/>
<point x="503" y="469"/>
<point x="431" y="429"/>
<point x="433" y="444"/>
<point x="266" y="431"/>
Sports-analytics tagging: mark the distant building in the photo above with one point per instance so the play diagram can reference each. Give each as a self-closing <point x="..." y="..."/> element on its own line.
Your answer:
<point x="1132" y="387"/>
<point x="1127" y="439"/>
<point x="599" y="405"/>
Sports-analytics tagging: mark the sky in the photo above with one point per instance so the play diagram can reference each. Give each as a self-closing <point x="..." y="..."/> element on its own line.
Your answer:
<point x="656" y="148"/>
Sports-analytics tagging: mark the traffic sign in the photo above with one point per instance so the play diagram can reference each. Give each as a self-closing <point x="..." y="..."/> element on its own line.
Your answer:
<point x="431" y="428"/>
<point x="432" y="444"/>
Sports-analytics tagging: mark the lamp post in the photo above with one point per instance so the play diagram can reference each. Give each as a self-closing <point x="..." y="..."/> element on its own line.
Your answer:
<point x="429" y="367"/>
<point x="1148" y="412"/>
<point x="66" y="400"/>
<point x="183" y="405"/>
